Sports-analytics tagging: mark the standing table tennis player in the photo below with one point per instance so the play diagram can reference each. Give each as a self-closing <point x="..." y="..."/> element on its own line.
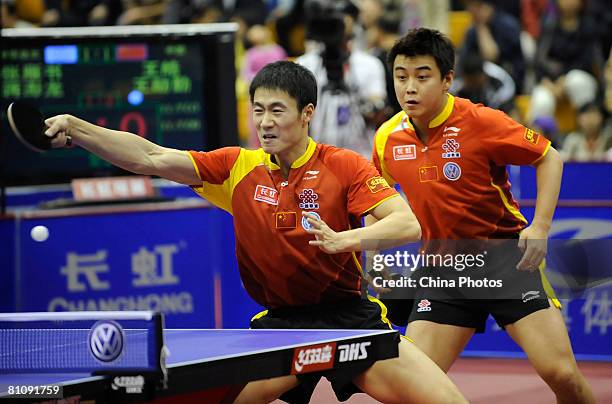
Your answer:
<point x="449" y="156"/>
<point x="297" y="207"/>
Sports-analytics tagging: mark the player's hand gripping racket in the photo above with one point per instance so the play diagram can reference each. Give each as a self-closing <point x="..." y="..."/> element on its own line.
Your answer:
<point x="28" y="125"/>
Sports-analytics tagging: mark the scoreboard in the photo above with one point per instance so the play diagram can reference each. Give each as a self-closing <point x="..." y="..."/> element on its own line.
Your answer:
<point x="169" y="84"/>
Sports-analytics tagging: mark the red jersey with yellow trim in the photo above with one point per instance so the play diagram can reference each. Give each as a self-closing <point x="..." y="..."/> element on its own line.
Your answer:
<point x="277" y="265"/>
<point x="457" y="183"/>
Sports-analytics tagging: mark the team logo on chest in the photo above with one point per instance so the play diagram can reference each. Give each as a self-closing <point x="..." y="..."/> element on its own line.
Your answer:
<point x="308" y="198"/>
<point x="450" y="147"/>
<point x="404" y="152"/>
<point x="452" y="171"/>
<point x="266" y="194"/>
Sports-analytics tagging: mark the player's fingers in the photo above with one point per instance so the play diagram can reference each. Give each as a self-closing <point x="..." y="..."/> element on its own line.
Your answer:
<point x="317" y="243"/>
<point x="314" y="222"/>
<point x="539" y="256"/>
<point x="527" y="261"/>
<point x="55" y="128"/>
<point x="522" y="243"/>
<point x="59" y="140"/>
<point x="50" y="121"/>
<point x="315" y="231"/>
<point x="52" y="130"/>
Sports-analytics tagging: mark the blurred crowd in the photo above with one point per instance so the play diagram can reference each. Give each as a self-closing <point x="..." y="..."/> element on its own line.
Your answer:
<point x="546" y="63"/>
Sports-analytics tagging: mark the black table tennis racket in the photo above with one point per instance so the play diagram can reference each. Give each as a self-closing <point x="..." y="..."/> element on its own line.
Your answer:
<point x="28" y="125"/>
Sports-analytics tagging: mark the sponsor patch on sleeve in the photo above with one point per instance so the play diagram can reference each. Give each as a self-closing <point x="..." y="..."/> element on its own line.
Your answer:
<point x="377" y="184"/>
<point x="531" y="136"/>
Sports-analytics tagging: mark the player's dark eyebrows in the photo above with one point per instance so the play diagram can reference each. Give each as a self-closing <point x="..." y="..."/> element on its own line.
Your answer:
<point x="275" y="104"/>
<point x="420" y="68"/>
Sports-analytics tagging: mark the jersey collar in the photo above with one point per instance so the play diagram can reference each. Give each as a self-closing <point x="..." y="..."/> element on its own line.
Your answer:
<point x="439" y="119"/>
<point x="300" y="161"/>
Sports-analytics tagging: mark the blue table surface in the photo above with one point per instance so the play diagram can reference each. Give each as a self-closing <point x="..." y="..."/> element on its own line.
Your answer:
<point x="190" y="346"/>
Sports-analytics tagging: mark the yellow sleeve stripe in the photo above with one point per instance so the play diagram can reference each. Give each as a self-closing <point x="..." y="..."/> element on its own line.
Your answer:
<point x="380" y="140"/>
<point x="543" y="154"/>
<point x="511" y="208"/>
<point x="221" y="194"/>
<point x="379" y="202"/>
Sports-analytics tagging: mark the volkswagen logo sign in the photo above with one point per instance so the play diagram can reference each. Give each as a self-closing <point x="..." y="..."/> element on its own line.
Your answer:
<point x="106" y="340"/>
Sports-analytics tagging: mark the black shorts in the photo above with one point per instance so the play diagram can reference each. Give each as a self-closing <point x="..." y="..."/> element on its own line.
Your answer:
<point x="474" y="313"/>
<point x="522" y="293"/>
<point x="358" y="313"/>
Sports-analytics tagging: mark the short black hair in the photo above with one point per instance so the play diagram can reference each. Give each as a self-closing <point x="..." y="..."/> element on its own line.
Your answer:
<point x="290" y="77"/>
<point x="425" y="42"/>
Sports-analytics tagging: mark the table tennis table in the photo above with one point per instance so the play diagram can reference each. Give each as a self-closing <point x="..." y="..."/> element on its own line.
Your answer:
<point x="210" y="362"/>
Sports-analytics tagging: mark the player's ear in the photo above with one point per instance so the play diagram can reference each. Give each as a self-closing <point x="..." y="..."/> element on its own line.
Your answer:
<point x="447" y="80"/>
<point x="307" y="113"/>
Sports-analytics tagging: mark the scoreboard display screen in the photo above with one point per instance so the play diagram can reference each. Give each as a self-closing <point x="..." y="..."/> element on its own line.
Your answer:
<point x="168" y="84"/>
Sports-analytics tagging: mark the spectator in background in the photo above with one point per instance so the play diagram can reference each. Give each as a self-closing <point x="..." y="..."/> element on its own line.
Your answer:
<point x="486" y="83"/>
<point x="496" y="36"/>
<point x="351" y="82"/>
<point x="434" y="14"/>
<point x="286" y="24"/>
<point x="142" y="12"/>
<point x="60" y="13"/>
<point x="381" y="38"/>
<point x="10" y="17"/>
<point x="589" y="142"/>
<point x="566" y="61"/>
<point x="262" y="51"/>
<point x="369" y="12"/>
<point x="600" y="12"/>
<point x="210" y="11"/>
<point x="532" y="13"/>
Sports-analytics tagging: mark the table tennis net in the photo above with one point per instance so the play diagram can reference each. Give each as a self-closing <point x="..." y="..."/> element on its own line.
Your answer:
<point x="95" y="346"/>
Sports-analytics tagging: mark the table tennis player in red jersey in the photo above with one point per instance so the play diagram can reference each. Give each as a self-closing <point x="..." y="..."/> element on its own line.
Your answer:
<point x="449" y="156"/>
<point x="297" y="207"/>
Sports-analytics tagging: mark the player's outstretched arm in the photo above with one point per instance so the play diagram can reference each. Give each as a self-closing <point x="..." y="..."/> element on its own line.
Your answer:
<point x="126" y="150"/>
<point x="533" y="240"/>
<point x="396" y="225"/>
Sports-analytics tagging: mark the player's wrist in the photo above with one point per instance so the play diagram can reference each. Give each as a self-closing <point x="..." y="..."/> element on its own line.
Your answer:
<point x="347" y="242"/>
<point x="541" y="224"/>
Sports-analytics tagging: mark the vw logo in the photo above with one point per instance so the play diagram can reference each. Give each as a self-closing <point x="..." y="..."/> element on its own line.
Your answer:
<point x="452" y="171"/>
<point x="106" y="340"/>
<point x="305" y="223"/>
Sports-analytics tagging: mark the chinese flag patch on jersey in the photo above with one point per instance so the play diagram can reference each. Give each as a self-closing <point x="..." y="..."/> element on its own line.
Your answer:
<point x="428" y="173"/>
<point x="286" y="220"/>
<point x="377" y="184"/>
<point x="531" y="136"/>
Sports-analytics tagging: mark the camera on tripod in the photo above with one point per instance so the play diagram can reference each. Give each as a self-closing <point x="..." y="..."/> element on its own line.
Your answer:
<point x="325" y="25"/>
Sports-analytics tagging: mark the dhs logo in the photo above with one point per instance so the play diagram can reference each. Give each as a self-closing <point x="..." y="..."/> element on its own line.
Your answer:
<point x="106" y="340"/>
<point x="353" y="352"/>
